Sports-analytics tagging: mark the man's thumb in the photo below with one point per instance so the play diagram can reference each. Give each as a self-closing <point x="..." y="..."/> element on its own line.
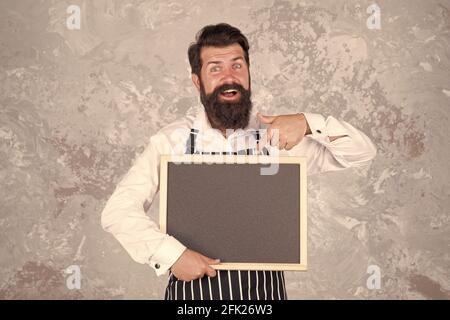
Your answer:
<point x="266" y="119"/>
<point x="212" y="261"/>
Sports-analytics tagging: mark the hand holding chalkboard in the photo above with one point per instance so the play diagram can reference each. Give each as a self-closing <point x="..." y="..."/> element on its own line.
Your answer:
<point x="192" y="265"/>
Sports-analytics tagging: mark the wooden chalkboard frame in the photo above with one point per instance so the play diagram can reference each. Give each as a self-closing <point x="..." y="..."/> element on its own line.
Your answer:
<point x="301" y="265"/>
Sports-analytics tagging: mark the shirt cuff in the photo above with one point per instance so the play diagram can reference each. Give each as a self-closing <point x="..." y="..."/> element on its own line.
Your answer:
<point x="166" y="255"/>
<point x="321" y="130"/>
<point x="317" y="125"/>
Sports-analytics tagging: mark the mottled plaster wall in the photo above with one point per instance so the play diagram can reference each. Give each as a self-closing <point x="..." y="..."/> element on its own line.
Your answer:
<point x="77" y="106"/>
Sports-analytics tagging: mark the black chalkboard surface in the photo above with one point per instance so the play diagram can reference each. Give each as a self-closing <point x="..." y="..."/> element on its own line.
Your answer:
<point x="248" y="211"/>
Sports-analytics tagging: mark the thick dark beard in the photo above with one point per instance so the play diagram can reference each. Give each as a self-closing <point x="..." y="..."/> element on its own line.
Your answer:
<point x="226" y="115"/>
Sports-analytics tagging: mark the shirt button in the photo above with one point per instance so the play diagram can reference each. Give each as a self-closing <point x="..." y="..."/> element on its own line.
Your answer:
<point x="318" y="131"/>
<point x="157" y="266"/>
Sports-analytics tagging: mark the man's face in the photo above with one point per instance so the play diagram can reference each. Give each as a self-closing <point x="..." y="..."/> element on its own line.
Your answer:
<point x="224" y="86"/>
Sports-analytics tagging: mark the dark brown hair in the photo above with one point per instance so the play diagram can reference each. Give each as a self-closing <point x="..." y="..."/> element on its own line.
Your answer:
<point x="218" y="35"/>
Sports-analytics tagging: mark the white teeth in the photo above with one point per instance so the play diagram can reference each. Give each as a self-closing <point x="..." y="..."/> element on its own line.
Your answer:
<point x="230" y="91"/>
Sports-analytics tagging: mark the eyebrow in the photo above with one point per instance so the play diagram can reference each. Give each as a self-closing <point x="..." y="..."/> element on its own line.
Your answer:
<point x="219" y="62"/>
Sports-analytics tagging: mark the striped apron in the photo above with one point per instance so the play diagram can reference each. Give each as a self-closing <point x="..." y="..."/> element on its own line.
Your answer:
<point x="228" y="284"/>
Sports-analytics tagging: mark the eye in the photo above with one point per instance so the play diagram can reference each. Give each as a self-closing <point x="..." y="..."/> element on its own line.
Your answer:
<point x="237" y="66"/>
<point x="214" y="69"/>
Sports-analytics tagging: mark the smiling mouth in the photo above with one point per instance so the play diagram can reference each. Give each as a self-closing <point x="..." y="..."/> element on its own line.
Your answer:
<point x="229" y="94"/>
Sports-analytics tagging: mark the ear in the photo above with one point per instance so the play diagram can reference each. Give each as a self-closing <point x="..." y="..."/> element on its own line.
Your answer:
<point x="196" y="81"/>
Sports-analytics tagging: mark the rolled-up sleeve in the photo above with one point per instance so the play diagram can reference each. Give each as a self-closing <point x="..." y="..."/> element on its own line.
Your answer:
<point x="124" y="216"/>
<point x="353" y="149"/>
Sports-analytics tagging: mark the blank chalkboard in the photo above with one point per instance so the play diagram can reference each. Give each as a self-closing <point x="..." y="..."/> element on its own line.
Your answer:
<point x="248" y="211"/>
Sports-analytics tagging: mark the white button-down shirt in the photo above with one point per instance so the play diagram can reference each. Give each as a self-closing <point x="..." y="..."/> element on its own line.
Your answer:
<point x="124" y="215"/>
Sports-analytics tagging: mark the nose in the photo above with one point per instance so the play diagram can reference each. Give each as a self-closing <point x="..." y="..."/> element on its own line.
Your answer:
<point x="228" y="76"/>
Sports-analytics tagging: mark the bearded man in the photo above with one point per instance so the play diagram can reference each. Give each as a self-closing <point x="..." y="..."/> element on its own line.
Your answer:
<point x="220" y="65"/>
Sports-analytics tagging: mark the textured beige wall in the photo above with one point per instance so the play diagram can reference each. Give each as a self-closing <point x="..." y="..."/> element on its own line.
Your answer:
<point x="77" y="106"/>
